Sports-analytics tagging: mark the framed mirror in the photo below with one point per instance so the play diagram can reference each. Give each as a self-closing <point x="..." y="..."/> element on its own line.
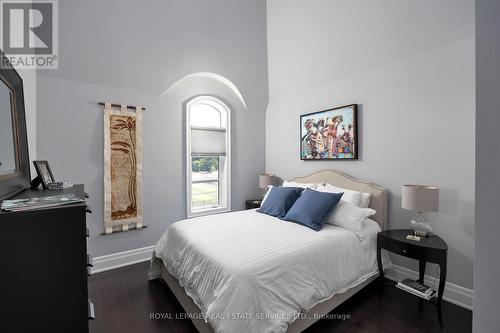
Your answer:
<point x="14" y="156"/>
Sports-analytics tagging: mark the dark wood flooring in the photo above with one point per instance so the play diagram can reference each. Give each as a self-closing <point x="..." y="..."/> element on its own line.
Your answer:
<point x="124" y="299"/>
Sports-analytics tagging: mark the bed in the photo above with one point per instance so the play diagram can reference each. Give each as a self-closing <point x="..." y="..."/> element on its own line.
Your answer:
<point x="250" y="272"/>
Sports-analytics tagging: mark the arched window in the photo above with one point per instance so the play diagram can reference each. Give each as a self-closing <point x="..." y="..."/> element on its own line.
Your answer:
<point x="208" y="156"/>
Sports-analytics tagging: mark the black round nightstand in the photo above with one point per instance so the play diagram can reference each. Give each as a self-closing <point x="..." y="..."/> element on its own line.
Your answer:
<point x="429" y="249"/>
<point x="251" y="204"/>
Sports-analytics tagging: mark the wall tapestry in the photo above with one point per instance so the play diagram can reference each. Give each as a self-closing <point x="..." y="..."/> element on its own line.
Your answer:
<point x="330" y="134"/>
<point x="122" y="168"/>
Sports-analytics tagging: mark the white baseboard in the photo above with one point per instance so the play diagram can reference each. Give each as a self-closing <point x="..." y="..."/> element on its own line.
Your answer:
<point x="453" y="293"/>
<point x="120" y="259"/>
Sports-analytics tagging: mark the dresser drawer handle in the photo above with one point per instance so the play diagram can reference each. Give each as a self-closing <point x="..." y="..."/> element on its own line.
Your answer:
<point x="88" y="209"/>
<point x="86" y="195"/>
<point x="90" y="262"/>
<point x="404" y="251"/>
<point x="91" y="311"/>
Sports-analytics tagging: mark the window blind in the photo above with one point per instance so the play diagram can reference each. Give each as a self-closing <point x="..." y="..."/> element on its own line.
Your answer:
<point x="208" y="141"/>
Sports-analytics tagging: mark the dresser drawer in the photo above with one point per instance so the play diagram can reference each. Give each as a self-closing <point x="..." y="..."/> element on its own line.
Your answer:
<point x="409" y="252"/>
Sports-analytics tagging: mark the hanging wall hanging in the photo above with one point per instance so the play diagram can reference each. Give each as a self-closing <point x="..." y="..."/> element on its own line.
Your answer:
<point x="122" y="168"/>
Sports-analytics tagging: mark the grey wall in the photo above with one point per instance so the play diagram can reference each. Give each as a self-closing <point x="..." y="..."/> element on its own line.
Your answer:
<point x="486" y="267"/>
<point x="138" y="54"/>
<point x="410" y="66"/>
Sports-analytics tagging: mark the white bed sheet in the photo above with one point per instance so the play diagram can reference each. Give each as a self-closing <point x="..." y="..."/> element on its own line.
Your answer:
<point x="250" y="272"/>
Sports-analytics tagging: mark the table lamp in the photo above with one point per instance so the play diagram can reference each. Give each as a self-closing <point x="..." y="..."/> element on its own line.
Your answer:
<point x="266" y="179"/>
<point x="420" y="198"/>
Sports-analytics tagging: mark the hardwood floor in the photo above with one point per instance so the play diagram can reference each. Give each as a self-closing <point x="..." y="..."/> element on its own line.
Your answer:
<point x="124" y="299"/>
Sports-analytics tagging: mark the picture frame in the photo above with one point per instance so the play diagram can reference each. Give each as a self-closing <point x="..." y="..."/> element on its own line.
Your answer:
<point x="44" y="173"/>
<point x="330" y="134"/>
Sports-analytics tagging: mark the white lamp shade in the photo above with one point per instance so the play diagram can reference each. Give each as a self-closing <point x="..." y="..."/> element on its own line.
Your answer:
<point x="421" y="198"/>
<point x="266" y="180"/>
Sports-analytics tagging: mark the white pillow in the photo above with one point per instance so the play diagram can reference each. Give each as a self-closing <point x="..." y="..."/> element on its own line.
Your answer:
<point x="362" y="201"/>
<point x="353" y="197"/>
<point x="365" y="200"/>
<point x="269" y="187"/>
<point x="349" y="216"/>
<point x="312" y="186"/>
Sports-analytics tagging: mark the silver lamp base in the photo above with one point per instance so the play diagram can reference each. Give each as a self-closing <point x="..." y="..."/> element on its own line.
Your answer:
<point x="421" y="226"/>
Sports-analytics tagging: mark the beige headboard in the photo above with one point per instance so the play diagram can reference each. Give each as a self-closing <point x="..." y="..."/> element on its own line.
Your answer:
<point x="378" y="201"/>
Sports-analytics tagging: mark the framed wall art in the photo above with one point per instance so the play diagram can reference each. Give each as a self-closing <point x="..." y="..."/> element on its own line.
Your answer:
<point x="329" y="134"/>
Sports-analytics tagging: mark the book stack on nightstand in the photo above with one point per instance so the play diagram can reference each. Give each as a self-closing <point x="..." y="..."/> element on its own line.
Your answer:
<point x="416" y="288"/>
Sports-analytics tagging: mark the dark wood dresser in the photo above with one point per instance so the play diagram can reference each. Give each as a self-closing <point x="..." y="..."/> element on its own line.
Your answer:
<point x="43" y="279"/>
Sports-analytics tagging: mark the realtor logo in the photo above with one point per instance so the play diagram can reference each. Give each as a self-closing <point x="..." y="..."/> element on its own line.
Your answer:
<point x="29" y="33"/>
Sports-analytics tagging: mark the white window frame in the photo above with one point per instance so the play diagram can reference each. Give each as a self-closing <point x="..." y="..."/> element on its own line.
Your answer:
<point x="224" y="179"/>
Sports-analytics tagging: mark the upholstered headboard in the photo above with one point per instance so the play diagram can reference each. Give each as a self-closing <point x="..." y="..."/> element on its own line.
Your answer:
<point x="378" y="201"/>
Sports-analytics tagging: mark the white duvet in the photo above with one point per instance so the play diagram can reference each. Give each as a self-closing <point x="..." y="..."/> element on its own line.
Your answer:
<point x="250" y="272"/>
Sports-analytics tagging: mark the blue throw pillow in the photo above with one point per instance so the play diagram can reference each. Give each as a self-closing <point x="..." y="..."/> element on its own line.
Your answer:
<point x="279" y="200"/>
<point x="312" y="208"/>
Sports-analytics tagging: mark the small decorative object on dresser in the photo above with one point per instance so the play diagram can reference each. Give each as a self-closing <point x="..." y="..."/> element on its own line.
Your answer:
<point x="330" y="134"/>
<point x="45" y="175"/>
<point x="57" y="186"/>
<point x="431" y="249"/>
<point x="421" y="198"/>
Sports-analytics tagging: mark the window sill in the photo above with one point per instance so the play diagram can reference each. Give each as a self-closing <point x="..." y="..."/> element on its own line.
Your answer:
<point x="208" y="211"/>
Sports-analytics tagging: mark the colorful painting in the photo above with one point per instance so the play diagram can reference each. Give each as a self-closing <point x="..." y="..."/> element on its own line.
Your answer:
<point x="122" y="170"/>
<point x="329" y="134"/>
